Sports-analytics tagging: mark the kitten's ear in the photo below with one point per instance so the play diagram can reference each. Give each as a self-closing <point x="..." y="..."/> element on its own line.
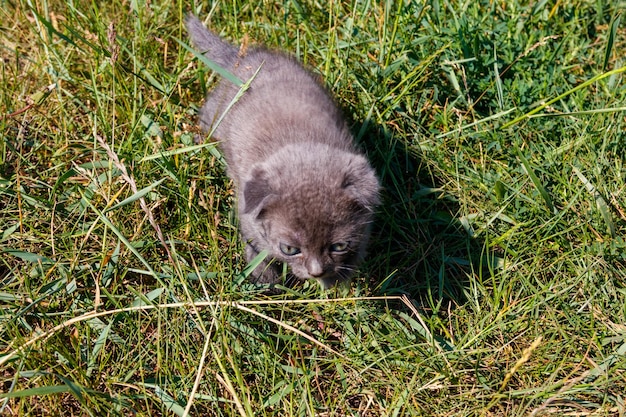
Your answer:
<point x="361" y="184"/>
<point x="256" y="192"/>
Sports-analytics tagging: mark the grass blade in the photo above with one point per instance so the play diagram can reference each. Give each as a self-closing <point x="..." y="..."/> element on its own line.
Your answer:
<point x="535" y="180"/>
<point x="168" y="401"/>
<point x="610" y="41"/>
<point x="29" y="257"/>
<point x="212" y="65"/>
<point x="136" y="196"/>
<point x="600" y="203"/>
<point x="178" y="151"/>
<point x="254" y="263"/>
<point x="36" y="392"/>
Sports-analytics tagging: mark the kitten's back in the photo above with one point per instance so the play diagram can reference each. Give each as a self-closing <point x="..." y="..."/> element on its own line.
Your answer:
<point x="285" y="104"/>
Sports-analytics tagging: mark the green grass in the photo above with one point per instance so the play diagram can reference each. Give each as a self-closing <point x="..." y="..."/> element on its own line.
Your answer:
<point x="496" y="280"/>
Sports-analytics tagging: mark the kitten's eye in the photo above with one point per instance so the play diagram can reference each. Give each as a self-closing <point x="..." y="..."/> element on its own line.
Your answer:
<point x="339" y="247"/>
<point x="289" y="250"/>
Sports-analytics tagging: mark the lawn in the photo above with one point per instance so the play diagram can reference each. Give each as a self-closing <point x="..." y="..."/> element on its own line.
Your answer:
<point x="495" y="283"/>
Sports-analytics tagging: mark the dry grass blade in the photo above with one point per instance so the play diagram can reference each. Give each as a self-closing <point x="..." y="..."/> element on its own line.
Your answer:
<point x="241" y="305"/>
<point x="133" y="185"/>
<point x="600" y="202"/>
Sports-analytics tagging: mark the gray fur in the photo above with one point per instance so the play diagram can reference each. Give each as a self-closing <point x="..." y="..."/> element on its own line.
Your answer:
<point x="299" y="179"/>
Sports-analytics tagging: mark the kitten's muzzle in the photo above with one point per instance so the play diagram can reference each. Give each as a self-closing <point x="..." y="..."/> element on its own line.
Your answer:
<point x="316" y="269"/>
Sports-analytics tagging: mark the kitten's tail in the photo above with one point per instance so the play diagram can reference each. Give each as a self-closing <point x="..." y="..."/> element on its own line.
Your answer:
<point x="210" y="44"/>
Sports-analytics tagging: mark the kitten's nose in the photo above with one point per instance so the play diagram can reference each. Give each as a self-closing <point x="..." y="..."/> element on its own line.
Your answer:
<point x="315" y="268"/>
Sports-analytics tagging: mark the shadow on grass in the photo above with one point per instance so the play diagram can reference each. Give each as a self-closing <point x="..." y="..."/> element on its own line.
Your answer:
<point x="419" y="246"/>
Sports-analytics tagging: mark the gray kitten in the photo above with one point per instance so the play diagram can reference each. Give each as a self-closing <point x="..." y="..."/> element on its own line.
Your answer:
<point x="305" y="194"/>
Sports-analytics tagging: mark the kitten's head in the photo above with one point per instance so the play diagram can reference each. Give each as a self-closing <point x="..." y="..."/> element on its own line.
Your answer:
<point x="311" y="207"/>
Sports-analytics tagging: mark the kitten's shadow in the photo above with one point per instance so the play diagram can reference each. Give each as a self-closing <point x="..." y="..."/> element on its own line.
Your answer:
<point x="418" y="245"/>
